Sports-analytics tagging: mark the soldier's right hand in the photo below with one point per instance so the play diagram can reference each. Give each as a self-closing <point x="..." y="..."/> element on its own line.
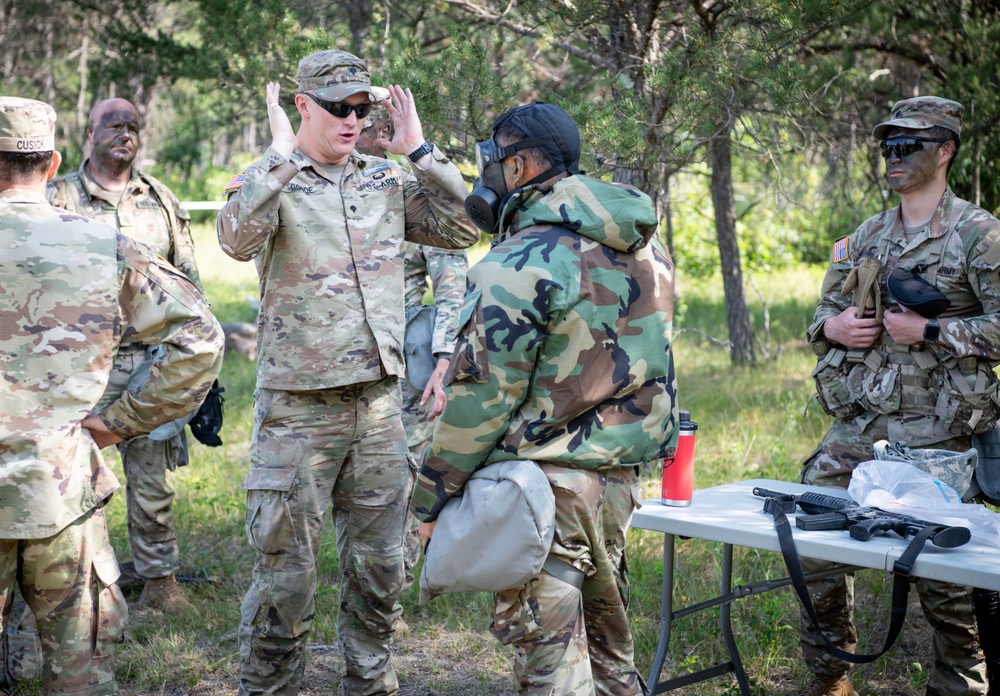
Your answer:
<point x="102" y="436"/>
<point x="848" y="330"/>
<point x="282" y="135"/>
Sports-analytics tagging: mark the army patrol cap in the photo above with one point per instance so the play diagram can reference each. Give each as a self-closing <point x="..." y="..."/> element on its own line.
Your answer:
<point x="378" y="111"/>
<point x="26" y="125"/>
<point x="913" y="292"/>
<point x="921" y="113"/>
<point x="334" y="75"/>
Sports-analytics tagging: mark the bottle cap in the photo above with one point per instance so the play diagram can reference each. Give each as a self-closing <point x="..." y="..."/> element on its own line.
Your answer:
<point x="684" y="420"/>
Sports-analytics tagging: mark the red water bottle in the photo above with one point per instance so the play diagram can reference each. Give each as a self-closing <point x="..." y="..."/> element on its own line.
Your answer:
<point x="678" y="470"/>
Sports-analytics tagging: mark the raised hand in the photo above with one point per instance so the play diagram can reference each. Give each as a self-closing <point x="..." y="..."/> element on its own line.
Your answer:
<point x="408" y="133"/>
<point x="282" y="136"/>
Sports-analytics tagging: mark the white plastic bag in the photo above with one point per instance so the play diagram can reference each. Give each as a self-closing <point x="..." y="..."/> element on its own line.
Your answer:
<point x="902" y="488"/>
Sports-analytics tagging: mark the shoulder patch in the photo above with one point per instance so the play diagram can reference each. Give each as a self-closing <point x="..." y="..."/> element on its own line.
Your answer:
<point x="989" y="250"/>
<point x="841" y="250"/>
<point x="234" y="183"/>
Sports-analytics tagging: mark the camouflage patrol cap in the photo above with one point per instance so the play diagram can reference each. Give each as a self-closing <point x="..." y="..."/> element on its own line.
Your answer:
<point x="920" y="113"/>
<point x="334" y="75"/>
<point x="26" y="125"/>
<point x="378" y="111"/>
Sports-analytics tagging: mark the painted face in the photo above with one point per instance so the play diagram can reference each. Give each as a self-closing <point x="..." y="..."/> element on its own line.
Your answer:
<point x="906" y="173"/>
<point x="368" y="140"/>
<point x="329" y="139"/>
<point x="115" y="138"/>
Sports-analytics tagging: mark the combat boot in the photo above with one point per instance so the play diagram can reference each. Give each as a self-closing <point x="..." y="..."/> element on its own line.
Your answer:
<point x="830" y="685"/>
<point x="166" y="595"/>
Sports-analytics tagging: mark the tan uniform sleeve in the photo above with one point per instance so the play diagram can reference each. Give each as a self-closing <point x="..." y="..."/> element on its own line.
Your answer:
<point x="159" y="306"/>
<point x="435" y="205"/>
<point x="249" y="219"/>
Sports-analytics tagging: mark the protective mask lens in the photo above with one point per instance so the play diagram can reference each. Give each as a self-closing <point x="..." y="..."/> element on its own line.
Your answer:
<point x="342" y="109"/>
<point x="486" y="154"/>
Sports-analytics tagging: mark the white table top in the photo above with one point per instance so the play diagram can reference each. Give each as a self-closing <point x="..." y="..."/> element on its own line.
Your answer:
<point x="732" y="514"/>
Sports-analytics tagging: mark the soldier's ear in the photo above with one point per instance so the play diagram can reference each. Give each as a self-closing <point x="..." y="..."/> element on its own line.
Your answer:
<point x="947" y="149"/>
<point x="54" y="165"/>
<point x="517" y="167"/>
<point x="302" y="104"/>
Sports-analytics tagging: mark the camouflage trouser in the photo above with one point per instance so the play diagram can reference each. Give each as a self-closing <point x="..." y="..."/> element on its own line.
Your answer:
<point x="567" y="642"/>
<point x="342" y="445"/>
<point x="419" y="429"/>
<point x="68" y="580"/>
<point x="958" y="661"/>
<point x="149" y="498"/>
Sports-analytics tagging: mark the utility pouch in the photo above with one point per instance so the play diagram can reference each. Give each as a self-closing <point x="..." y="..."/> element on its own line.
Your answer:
<point x="882" y="391"/>
<point x="967" y="403"/>
<point x="833" y="390"/>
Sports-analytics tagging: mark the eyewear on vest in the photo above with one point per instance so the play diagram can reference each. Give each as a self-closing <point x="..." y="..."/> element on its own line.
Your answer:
<point x="341" y="109"/>
<point x="904" y="145"/>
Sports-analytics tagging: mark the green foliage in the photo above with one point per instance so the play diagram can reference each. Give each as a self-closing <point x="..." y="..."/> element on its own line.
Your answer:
<point x="459" y="88"/>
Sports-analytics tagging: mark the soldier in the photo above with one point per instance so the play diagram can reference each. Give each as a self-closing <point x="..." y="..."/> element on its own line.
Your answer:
<point x="887" y="373"/>
<point x="72" y="289"/>
<point x="107" y="187"/>
<point x="326" y="228"/>
<point x="564" y="358"/>
<point x="447" y="269"/>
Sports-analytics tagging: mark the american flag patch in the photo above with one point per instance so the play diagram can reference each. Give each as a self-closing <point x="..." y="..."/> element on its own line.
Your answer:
<point x="235" y="183"/>
<point x="840" y="250"/>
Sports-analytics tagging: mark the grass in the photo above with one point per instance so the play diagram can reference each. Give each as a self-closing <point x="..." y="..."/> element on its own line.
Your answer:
<point x="754" y="423"/>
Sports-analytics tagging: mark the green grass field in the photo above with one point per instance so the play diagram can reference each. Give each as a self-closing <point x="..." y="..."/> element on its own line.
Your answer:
<point x="754" y="423"/>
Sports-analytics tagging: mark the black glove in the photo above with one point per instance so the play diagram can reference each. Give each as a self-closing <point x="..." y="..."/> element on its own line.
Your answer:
<point x="207" y="422"/>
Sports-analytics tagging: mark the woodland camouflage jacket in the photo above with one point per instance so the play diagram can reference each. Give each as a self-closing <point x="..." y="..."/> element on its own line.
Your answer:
<point x="564" y="355"/>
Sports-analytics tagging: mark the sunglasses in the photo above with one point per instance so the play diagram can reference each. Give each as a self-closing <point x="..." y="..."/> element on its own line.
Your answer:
<point x="341" y="109"/>
<point x="904" y="145"/>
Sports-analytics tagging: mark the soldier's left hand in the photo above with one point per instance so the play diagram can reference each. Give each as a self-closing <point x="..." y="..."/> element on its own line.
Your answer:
<point x="426" y="531"/>
<point x="408" y="133"/>
<point x="905" y="326"/>
<point x="435" y="387"/>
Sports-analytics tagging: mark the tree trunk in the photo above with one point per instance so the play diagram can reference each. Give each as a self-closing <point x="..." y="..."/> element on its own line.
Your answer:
<point x="741" y="350"/>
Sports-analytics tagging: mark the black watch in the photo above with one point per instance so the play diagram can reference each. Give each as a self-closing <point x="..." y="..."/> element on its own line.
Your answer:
<point x="421" y="151"/>
<point x="931" y="331"/>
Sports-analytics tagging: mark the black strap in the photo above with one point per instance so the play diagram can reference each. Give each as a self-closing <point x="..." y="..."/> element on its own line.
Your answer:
<point x="900" y="585"/>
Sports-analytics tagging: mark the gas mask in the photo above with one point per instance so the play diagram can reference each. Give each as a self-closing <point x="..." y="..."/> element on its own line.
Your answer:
<point x="560" y="143"/>
<point x="483" y="204"/>
<point x="489" y="193"/>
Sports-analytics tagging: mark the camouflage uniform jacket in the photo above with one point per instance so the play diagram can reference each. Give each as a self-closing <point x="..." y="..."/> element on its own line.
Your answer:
<point x="447" y="269"/>
<point x="564" y="355"/>
<point x="330" y="259"/>
<point x="73" y="289"/>
<point x="148" y="213"/>
<point x="959" y="252"/>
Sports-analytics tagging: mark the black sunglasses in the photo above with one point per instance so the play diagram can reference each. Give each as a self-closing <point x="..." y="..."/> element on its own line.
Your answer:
<point x="341" y="109"/>
<point x="904" y="145"/>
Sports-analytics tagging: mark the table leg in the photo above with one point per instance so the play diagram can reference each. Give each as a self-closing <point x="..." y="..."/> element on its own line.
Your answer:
<point x="666" y="614"/>
<point x="725" y="614"/>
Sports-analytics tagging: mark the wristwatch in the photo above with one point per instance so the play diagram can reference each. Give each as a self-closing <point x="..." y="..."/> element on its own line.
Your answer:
<point x="931" y="331"/>
<point x="421" y="151"/>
